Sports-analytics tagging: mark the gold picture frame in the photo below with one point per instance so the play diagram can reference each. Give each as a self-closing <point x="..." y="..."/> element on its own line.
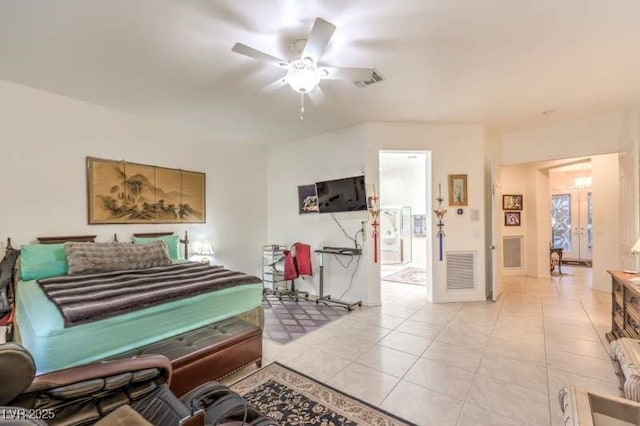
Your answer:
<point x="458" y="190"/>
<point x="119" y="192"/>
<point x="512" y="202"/>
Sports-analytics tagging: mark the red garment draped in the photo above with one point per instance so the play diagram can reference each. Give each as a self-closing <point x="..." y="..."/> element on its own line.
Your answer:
<point x="303" y="258"/>
<point x="290" y="272"/>
<point x="298" y="261"/>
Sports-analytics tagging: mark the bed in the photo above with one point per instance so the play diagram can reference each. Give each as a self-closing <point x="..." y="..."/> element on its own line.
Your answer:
<point x="40" y="323"/>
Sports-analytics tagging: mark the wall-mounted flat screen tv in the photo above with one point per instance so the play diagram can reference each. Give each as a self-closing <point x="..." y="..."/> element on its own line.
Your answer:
<point x="342" y="195"/>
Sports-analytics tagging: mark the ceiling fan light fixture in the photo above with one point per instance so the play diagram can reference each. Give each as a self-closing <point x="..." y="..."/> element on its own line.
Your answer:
<point x="303" y="75"/>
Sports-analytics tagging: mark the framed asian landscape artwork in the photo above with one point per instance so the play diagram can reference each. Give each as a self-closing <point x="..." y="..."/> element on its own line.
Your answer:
<point x="119" y="192"/>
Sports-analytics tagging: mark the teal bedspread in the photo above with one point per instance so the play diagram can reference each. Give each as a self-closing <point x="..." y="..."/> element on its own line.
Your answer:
<point x="54" y="347"/>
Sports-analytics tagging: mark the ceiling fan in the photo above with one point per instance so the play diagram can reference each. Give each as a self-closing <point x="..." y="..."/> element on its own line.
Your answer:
<point x="304" y="73"/>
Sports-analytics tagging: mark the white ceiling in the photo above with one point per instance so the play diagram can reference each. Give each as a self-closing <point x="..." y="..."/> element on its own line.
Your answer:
<point x="498" y="62"/>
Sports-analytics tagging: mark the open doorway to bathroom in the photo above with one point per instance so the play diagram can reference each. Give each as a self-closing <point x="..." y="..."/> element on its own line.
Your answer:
<point x="404" y="218"/>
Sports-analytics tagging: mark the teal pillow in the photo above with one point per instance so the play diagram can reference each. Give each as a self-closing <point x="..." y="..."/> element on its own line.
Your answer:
<point x="42" y="261"/>
<point x="172" y="242"/>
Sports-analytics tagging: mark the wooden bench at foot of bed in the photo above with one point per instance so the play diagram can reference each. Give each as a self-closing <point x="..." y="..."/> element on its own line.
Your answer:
<point x="207" y="353"/>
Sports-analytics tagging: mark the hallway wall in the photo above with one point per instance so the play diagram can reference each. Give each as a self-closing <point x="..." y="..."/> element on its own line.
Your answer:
<point x="606" y="222"/>
<point x="532" y="180"/>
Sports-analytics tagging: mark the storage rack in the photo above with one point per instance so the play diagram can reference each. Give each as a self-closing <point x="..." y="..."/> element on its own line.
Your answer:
<point x="273" y="273"/>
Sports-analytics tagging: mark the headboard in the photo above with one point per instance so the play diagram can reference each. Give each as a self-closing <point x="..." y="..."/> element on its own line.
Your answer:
<point x="68" y="238"/>
<point x="184" y="240"/>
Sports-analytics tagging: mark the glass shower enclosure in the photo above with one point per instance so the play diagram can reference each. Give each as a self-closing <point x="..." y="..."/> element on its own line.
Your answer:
<point x="395" y="235"/>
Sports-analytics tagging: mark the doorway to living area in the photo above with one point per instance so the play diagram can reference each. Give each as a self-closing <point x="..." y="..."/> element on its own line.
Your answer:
<point x="404" y="219"/>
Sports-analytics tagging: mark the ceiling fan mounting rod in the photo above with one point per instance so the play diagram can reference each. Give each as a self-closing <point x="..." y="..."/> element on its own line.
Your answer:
<point x="301" y="106"/>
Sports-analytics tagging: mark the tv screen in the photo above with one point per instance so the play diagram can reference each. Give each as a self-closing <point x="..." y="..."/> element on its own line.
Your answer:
<point x="342" y="195"/>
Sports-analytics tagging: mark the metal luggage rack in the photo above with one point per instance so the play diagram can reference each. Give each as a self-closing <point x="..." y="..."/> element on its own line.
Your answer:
<point x="273" y="273"/>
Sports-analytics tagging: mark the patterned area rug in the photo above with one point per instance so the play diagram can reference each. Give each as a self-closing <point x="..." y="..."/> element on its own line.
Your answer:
<point x="291" y="398"/>
<point x="416" y="276"/>
<point x="287" y="320"/>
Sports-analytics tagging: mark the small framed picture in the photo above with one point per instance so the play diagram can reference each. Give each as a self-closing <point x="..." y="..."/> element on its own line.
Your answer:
<point x="512" y="202"/>
<point x="511" y="218"/>
<point x="307" y="199"/>
<point x="458" y="190"/>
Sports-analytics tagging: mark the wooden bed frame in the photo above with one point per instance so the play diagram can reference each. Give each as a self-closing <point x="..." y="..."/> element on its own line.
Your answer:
<point x="92" y="238"/>
<point x="229" y="346"/>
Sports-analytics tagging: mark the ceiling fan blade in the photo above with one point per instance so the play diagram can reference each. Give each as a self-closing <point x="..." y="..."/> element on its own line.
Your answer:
<point x="272" y="87"/>
<point x="349" y="74"/>
<point x="245" y="50"/>
<point x="317" y="96"/>
<point x="318" y="39"/>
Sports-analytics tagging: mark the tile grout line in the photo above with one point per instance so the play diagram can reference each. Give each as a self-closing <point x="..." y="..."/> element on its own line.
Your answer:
<point x="418" y="358"/>
<point x="475" y="374"/>
<point x="546" y="359"/>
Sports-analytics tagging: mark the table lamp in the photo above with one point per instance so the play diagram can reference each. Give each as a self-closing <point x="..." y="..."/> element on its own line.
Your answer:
<point x="636" y="247"/>
<point x="204" y="249"/>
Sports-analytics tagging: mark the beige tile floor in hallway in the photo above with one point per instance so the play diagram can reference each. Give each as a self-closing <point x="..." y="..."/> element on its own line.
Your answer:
<point x="466" y="363"/>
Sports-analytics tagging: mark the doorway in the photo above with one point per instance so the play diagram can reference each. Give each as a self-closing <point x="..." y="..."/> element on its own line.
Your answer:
<point x="404" y="221"/>
<point x="572" y="212"/>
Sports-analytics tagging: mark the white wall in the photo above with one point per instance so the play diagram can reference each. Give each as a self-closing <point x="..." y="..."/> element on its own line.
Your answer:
<point x="513" y="181"/>
<point x="532" y="180"/>
<point x="629" y="178"/>
<point x="541" y="222"/>
<point x="328" y="156"/>
<point x="606" y="219"/>
<point x="593" y="136"/>
<point x="46" y="137"/>
<point x="454" y="149"/>
<point x="590" y="136"/>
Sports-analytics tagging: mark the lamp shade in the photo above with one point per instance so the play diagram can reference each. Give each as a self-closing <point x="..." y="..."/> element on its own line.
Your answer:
<point x="204" y="248"/>
<point x="303" y="75"/>
<point x="636" y="247"/>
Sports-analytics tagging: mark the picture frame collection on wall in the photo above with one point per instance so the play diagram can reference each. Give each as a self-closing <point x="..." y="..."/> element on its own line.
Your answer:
<point x="512" y="206"/>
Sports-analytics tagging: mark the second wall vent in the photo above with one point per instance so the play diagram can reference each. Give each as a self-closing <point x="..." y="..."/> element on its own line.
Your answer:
<point x="512" y="252"/>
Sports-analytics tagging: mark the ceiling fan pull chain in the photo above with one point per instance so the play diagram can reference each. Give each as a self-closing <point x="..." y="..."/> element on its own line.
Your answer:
<point x="301" y="106"/>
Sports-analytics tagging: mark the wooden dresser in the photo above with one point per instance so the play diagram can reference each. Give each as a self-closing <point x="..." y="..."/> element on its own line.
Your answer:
<point x="625" y="306"/>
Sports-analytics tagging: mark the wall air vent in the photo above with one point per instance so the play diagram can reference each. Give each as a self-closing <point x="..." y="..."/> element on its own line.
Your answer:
<point x="461" y="270"/>
<point x="512" y="252"/>
<point x="375" y="78"/>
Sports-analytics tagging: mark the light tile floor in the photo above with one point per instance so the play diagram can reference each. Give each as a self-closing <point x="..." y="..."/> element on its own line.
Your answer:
<point x="477" y="363"/>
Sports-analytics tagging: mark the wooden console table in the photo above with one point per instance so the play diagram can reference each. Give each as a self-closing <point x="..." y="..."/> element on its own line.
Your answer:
<point x="625" y="305"/>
